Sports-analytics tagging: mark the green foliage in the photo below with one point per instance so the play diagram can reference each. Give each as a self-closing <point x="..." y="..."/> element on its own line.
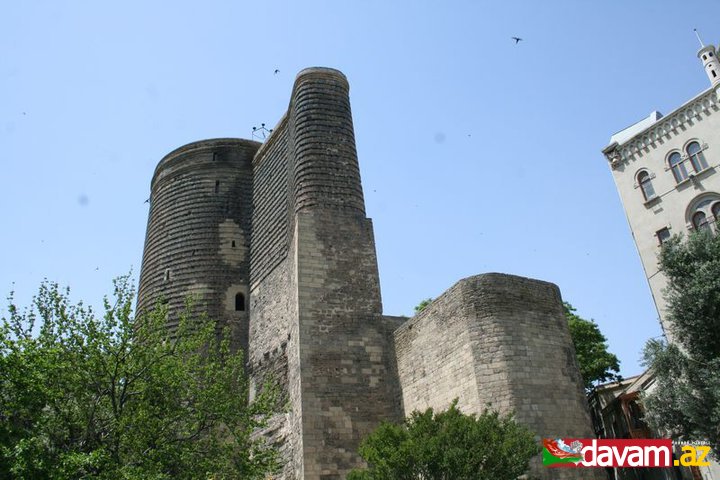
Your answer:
<point x="596" y="363"/>
<point x="692" y="268"/>
<point x="118" y="398"/>
<point x="686" y="401"/>
<point x="448" y="445"/>
<point x="422" y="305"/>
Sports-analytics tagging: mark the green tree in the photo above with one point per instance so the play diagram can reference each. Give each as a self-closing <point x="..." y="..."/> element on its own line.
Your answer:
<point x="113" y="397"/>
<point x="596" y="363"/>
<point x="448" y="445"/>
<point x="422" y="305"/>
<point x="686" y="400"/>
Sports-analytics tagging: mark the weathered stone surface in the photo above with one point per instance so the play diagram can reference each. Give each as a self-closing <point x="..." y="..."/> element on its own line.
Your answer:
<point x="283" y="223"/>
<point x="499" y="342"/>
<point x="198" y="233"/>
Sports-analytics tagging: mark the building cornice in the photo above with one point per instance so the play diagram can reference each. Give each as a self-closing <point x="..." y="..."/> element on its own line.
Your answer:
<point x="670" y="125"/>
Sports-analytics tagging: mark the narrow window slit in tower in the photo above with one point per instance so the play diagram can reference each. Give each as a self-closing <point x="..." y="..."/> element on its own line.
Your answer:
<point x="714" y="74"/>
<point x="167" y="275"/>
<point x="217" y="186"/>
<point x="239" y="302"/>
<point x="233" y="244"/>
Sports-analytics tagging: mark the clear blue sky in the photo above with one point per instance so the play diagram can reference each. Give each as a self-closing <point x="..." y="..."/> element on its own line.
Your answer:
<point x="476" y="154"/>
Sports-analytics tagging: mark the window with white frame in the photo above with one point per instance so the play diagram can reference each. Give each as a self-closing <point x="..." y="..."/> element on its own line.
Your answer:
<point x="677" y="166"/>
<point x="715" y="209"/>
<point x="696" y="156"/>
<point x="644" y="181"/>
<point x="704" y="212"/>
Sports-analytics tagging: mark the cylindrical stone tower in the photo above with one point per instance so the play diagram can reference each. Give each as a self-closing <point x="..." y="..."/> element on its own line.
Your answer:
<point x="344" y="352"/>
<point x="326" y="173"/>
<point x="198" y="234"/>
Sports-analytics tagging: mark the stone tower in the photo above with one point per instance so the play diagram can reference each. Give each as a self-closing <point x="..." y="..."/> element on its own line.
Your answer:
<point x="198" y="234"/>
<point x="282" y="227"/>
<point x="315" y="314"/>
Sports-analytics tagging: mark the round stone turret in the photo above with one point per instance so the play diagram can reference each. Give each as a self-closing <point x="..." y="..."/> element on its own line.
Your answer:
<point x="708" y="55"/>
<point x="326" y="172"/>
<point x="198" y="234"/>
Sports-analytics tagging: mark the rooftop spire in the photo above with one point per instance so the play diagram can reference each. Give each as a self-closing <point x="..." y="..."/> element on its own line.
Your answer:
<point x="711" y="65"/>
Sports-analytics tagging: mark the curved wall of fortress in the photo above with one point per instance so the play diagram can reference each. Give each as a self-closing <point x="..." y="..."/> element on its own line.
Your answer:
<point x="282" y="224"/>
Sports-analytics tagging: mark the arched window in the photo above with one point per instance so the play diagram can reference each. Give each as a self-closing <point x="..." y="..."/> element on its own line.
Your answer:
<point x="704" y="212"/>
<point x="678" y="168"/>
<point x="699" y="221"/>
<point x="716" y="210"/>
<point x="697" y="158"/>
<point x="239" y="302"/>
<point x="646" y="186"/>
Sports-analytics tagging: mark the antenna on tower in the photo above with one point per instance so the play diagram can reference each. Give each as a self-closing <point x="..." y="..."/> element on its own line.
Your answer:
<point x="260" y="133"/>
<point x="702" y="45"/>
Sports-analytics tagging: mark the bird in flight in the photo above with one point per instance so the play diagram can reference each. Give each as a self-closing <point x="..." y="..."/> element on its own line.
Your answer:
<point x="517" y="39"/>
<point x="276" y="71"/>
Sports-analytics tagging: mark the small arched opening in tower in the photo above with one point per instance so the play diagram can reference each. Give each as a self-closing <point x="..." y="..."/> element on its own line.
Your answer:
<point x="239" y="302"/>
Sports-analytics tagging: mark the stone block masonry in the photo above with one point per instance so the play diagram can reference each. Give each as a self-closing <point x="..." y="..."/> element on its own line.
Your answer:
<point x="198" y="233"/>
<point x="283" y="225"/>
<point x="499" y="342"/>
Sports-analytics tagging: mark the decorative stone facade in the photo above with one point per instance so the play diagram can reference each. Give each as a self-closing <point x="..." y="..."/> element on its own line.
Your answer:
<point x="283" y="225"/>
<point x="666" y="172"/>
<point x="663" y="182"/>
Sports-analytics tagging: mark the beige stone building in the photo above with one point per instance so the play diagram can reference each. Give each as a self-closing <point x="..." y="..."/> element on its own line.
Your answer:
<point x="665" y="169"/>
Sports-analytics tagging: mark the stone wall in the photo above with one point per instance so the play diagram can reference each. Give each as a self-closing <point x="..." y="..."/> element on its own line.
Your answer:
<point x="316" y="323"/>
<point x="284" y="224"/>
<point x="271" y="201"/>
<point x="198" y="235"/>
<point x="435" y="359"/>
<point x="273" y="356"/>
<point x="345" y="355"/>
<point x="502" y="342"/>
